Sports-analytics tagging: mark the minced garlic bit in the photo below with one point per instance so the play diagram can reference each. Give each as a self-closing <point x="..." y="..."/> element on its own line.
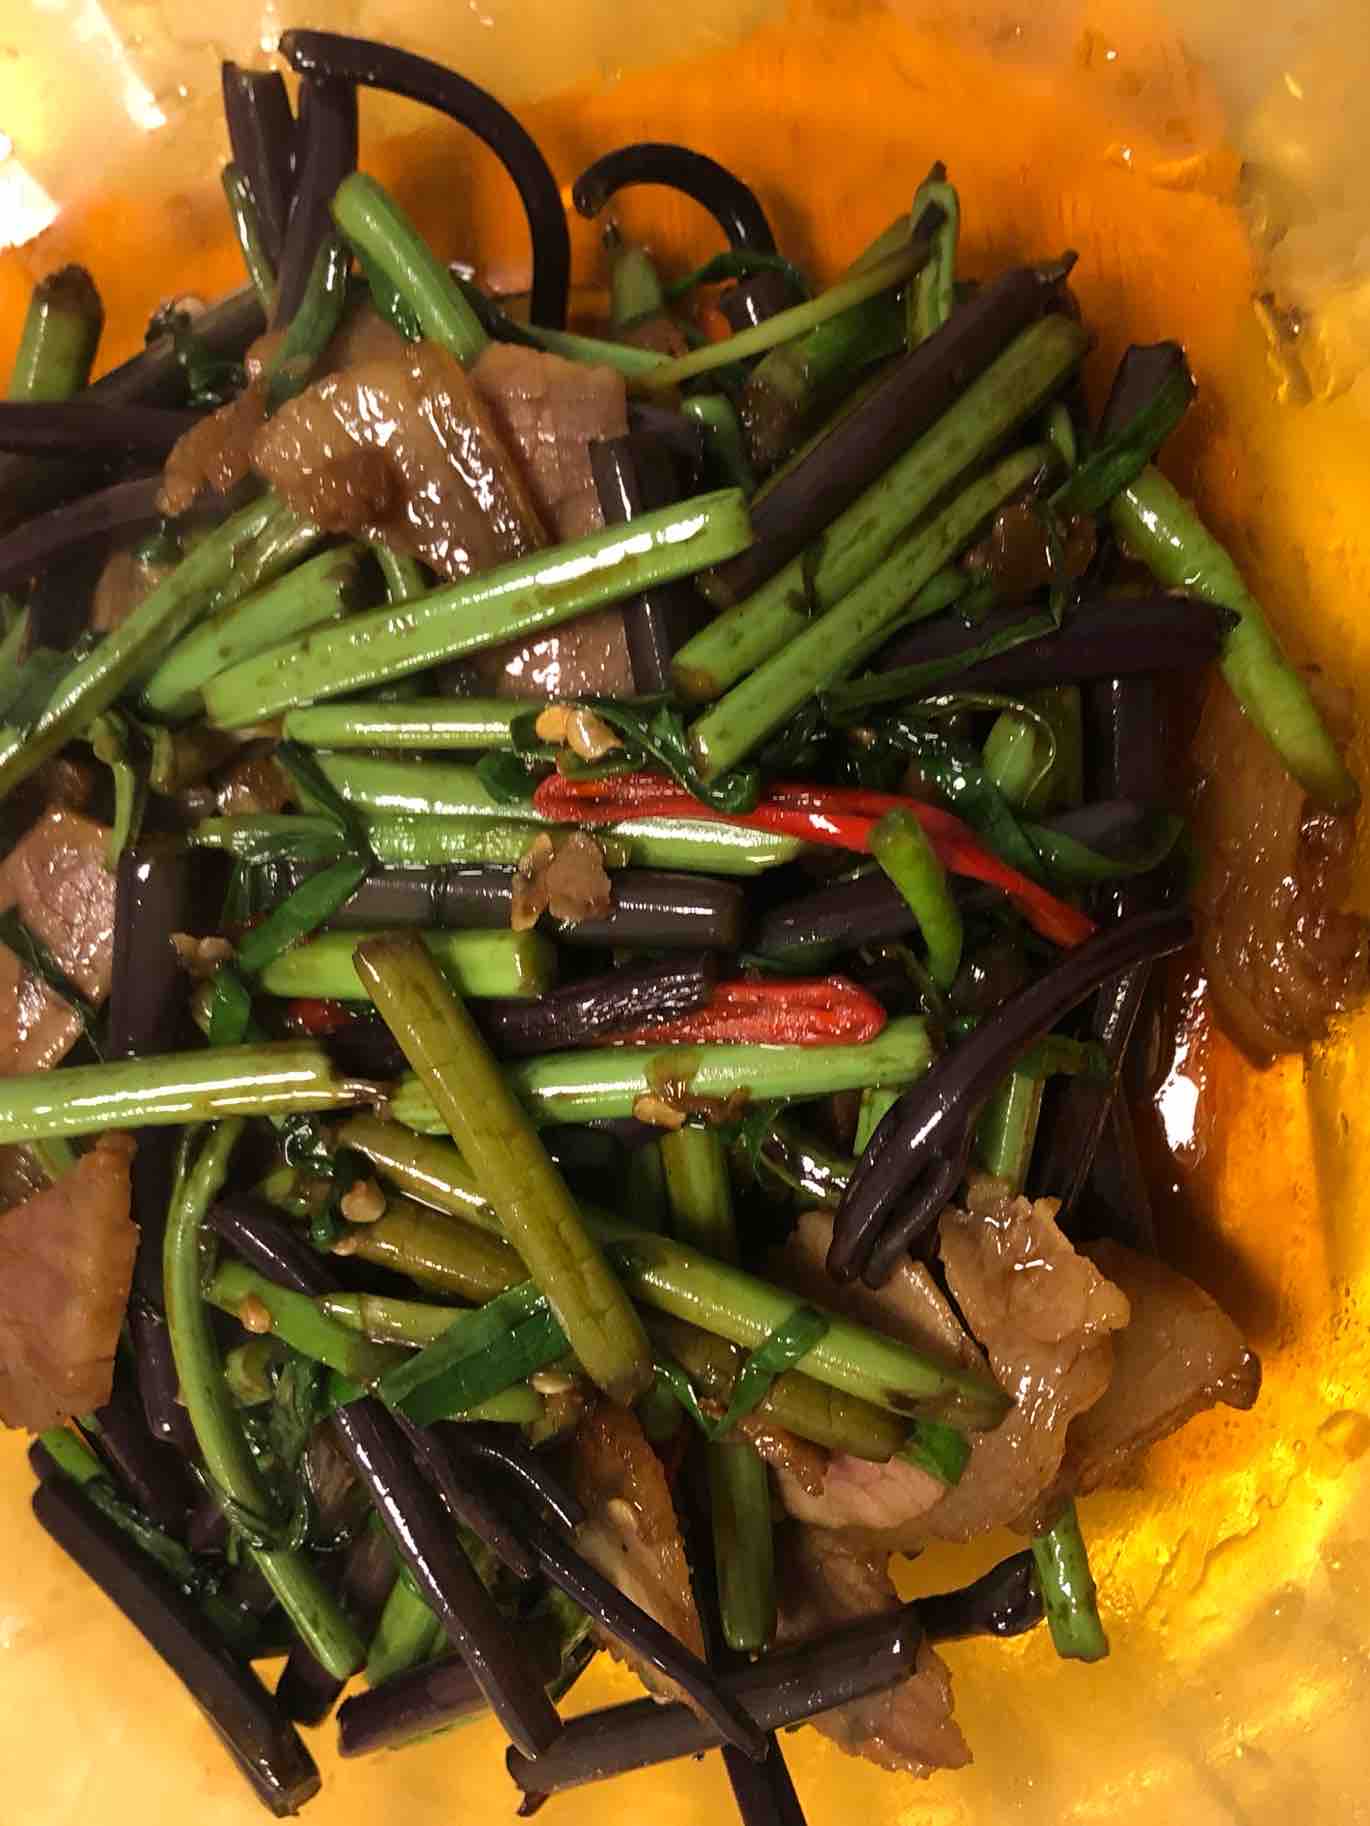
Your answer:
<point x="621" y="1514"/>
<point x="580" y="730"/>
<point x="345" y="1245"/>
<point x="363" y="1203"/>
<point x="201" y="957"/>
<point x="253" y="1315"/>
<point x="657" y="1112"/>
<point x="551" y="1382"/>
<point x="529" y="900"/>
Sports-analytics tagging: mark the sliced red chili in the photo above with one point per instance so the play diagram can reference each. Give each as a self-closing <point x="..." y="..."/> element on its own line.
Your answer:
<point x="841" y="817"/>
<point x="793" y="1011"/>
<point x="318" y="1017"/>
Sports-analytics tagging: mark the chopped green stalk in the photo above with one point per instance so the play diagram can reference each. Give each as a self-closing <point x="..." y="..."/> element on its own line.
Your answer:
<point x="299" y="1322"/>
<point x="585" y="1086"/>
<point x="518" y="599"/>
<point x="114" y="743"/>
<point x="312" y="326"/>
<point x="794" y="1401"/>
<point x="876" y="1104"/>
<point x="1068" y="1591"/>
<point x="835" y="644"/>
<point x="430" y="1171"/>
<point x="1058" y="428"/>
<point x="228" y="1459"/>
<point x="429" y="1247"/>
<point x="407" y="1634"/>
<point x="242" y="207"/>
<point x="275" y="1078"/>
<point x="789" y="388"/>
<point x="407" y="842"/>
<point x="699" y="845"/>
<point x="623" y="357"/>
<point x="1010" y="389"/>
<point x="58" y="341"/>
<point x="94" y="682"/>
<point x="383" y="235"/>
<point x="405" y="786"/>
<point x="744" y="1552"/>
<point x="648" y="843"/>
<point x="1037" y="761"/>
<point x="883" y="276"/>
<point x="1157" y="526"/>
<point x="635" y="289"/>
<point x="644" y="1188"/>
<point x="931" y="295"/>
<point x="475" y="963"/>
<point x="672" y="1278"/>
<point x="475" y="1105"/>
<point x="404" y="577"/>
<point x="1008" y="1128"/>
<point x="903" y="850"/>
<point x="318" y="591"/>
<point x="420" y="723"/>
<point x="386" y="1319"/>
<point x="717" y="419"/>
<point x="942" y="1451"/>
<point x="249" y="1371"/>
<point x="700" y="1191"/>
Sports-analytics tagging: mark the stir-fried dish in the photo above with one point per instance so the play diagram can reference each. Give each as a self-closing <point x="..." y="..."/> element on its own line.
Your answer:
<point x="575" y="914"/>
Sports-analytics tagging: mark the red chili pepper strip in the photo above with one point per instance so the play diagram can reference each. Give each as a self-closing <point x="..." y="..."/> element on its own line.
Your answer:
<point x="318" y="1017"/>
<point x="797" y="1011"/>
<point x="841" y="817"/>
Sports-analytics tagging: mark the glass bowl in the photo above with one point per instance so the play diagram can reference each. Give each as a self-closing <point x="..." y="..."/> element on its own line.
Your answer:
<point x="1234" y="1565"/>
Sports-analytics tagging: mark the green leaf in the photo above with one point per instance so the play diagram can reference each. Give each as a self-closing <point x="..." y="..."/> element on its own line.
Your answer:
<point x="1120" y="457"/>
<point x="390" y="305"/>
<point x="654" y="730"/>
<point x="314" y="787"/>
<point x="24" y="695"/>
<point x="739" y="263"/>
<point x="509" y="778"/>
<point x="314" y="901"/>
<point x="849" y="703"/>
<point x="210" y="381"/>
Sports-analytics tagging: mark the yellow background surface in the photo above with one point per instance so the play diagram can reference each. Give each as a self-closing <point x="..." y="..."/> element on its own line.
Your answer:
<point x="1235" y="1568"/>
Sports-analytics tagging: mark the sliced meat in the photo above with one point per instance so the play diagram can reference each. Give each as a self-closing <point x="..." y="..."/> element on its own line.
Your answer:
<point x="548" y="411"/>
<point x="122" y="585"/>
<point x="1282" y="957"/>
<point x="631" y="1533"/>
<point x="910" y="1306"/>
<point x="1045" y="1316"/>
<point x="800" y="1459"/>
<point x="1178" y="1354"/>
<point x="255" y="782"/>
<point x="66" y="1261"/>
<point x="216" y="453"/>
<point x="824" y="1583"/>
<point x="402" y="449"/>
<point x="20" y="1177"/>
<point x="55" y="878"/>
<point x="37" y="1027"/>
